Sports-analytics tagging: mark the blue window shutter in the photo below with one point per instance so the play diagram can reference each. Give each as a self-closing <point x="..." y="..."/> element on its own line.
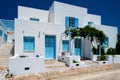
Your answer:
<point x="65" y="45"/>
<point x="76" y="22"/>
<point x="5" y="37"/>
<point x="66" y="22"/>
<point x="106" y="42"/>
<point x="29" y="43"/>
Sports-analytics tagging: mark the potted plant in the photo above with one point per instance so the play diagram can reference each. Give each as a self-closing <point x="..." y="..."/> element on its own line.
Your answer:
<point x="94" y="54"/>
<point x="102" y="59"/>
<point x="111" y="52"/>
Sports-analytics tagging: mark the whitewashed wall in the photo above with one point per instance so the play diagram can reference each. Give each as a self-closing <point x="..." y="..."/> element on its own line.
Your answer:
<point x="93" y="18"/>
<point x="111" y="33"/>
<point x="30" y="28"/>
<point x="51" y="14"/>
<point x="53" y="23"/>
<point x="25" y="13"/>
<point x="62" y="10"/>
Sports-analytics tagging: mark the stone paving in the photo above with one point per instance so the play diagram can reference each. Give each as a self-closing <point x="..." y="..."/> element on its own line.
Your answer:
<point x="59" y="75"/>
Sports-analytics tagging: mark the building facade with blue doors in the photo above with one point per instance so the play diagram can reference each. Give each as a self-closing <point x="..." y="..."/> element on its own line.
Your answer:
<point x="40" y="32"/>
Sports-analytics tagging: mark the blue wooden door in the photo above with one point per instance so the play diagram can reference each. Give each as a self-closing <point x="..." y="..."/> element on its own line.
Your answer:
<point x="50" y="47"/>
<point x="77" y="50"/>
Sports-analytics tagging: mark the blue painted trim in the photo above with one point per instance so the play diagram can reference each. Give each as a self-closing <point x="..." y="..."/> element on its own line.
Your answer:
<point x="49" y="48"/>
<point x="28" y="43"/>
<point x="90" y="23"/>
<point x="65" y="45"/>
<point x="34" y="19"/>
<point x="76" y="23"/>
<point x="106" y="42"/>
<point x="78" y="47"/>
<point x="66" y="22"/>
<point x="5" y="37"/>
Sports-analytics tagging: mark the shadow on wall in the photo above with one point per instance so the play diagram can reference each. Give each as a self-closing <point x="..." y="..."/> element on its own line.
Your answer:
<point x="12" y="51"/>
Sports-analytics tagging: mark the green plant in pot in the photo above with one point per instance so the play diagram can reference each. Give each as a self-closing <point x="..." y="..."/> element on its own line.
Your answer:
<point x="94" y="50"/>
<point x="101" y="58"/>
<point x="111" y="51"/>
<point x="74" y="61"/>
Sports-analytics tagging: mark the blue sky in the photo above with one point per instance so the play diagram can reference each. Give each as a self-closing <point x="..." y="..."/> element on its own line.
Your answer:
<point x="108" y="9"/>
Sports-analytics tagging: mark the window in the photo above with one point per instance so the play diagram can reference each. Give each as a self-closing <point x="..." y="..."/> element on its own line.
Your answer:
<point x="65" y="45"/>
<point x="90" y="23"/>
<point x="0" y="33"/>
<point x="5" y="37"/>
<point x="106" y="42"/>
<point x="29" y="43"/>
<point x="71" y="22"/>
<point x="34" y="19"/>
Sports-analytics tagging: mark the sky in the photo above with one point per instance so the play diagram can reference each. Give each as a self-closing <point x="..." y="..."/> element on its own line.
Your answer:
<point x="108" y="9"/>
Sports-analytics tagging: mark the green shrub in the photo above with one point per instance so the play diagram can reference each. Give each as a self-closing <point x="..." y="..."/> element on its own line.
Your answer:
<point x="94" y="50"/>
<point x="118" y="47"/>
<point x="111" y="51"/>
<point x="102" y="50"/>
<point x="101" y="58"/>
<point x="74" y="61"/>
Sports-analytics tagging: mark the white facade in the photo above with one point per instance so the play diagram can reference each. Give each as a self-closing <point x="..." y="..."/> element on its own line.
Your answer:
<point x="52" y="22"/>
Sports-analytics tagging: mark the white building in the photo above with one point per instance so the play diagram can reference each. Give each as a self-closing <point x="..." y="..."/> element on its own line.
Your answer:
<point x="6" y="31"/>
<point x="40" y="31"/>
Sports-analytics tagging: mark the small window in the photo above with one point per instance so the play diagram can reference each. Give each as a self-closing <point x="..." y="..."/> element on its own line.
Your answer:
<point x="5" y="37"/>
<point x="90" y="23"/>
<point x="71" y="22"/>
<point x="34" y="19"/>
<point x="106" y="42"/>
<point x="65" y="45"/>
<point x="0" y="32"/>
<point x="29" y="43"/>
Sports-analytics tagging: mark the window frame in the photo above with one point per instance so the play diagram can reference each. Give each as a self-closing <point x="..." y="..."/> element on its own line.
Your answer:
<point x="107" y="42"/>
<point x="34" y="19"/>
<point x="65" y="44"/>
<point x="72" y="22"/>
<point x="26" y="50"/>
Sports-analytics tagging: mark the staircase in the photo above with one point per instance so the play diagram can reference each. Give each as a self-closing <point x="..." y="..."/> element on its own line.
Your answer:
<point x="6" y="51"/>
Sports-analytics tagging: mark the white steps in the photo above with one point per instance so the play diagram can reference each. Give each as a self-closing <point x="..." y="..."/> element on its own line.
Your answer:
<point x="5" y="53"/>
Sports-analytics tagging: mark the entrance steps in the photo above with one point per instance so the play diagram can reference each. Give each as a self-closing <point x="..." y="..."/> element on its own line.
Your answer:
<point x="6" y="51"/>
<point x="89" y="63"/>
<point x="54" y="65"/>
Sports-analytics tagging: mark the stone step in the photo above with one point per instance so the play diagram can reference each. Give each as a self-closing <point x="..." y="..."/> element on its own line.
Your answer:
<point x="54" y="64"/>
<point x="5" y="53"/>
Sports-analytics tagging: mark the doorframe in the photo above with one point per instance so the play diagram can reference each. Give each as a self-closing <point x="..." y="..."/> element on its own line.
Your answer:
<point x="80" y="46"/>
<point x="45" y="46"/>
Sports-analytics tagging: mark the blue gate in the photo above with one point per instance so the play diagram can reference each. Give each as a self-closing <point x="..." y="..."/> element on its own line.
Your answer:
<point x="50" y="47"/>
<point x="77" y="50"/>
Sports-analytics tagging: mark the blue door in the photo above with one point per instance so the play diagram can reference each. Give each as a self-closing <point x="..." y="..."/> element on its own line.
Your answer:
<point x="50" y="47"/>
<point x="5" y="37"/>
<point x="78" y="44"/>
<point x="65" y="45"/>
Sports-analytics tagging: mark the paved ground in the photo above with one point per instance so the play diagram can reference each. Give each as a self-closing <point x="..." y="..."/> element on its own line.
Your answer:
<point x="101" y="75"/>
<point x="104" y="72"/>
